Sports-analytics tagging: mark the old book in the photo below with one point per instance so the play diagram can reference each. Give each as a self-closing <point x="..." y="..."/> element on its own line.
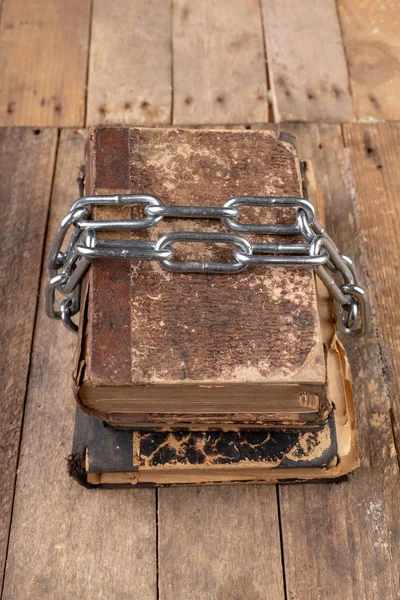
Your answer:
<point x="167" y="350"/>
<point x="105" y="456"/>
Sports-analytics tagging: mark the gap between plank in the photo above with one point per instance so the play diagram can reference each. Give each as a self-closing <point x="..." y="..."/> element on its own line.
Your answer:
<point x="171" y="118"/>
<point x="30" y="355"/>
<point x="270" y="108"/>
<point x="347" y="65"/>
<point x="278" y="504"/>
<point x="88" y="62"/>
<point x="157" y="549"/>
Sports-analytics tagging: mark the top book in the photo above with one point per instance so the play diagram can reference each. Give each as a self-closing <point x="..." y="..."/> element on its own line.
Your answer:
<point x="166" y="350"/>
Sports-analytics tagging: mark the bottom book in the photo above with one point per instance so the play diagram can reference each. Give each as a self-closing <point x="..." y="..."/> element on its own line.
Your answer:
<point x="103" y="456"/>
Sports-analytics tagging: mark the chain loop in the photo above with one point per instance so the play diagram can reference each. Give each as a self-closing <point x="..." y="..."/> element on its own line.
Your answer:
<point x="354" y="318"/>
<point x="203" y="267"/>
<point x="66" y="314"/>
<point x="67" y="268"/>
<point x="269" y="202"/>
<point x="279" y="254"/>
<point x="192" y="212"/>
<point x="119" y="200"/>
<point x="56" y="258"/>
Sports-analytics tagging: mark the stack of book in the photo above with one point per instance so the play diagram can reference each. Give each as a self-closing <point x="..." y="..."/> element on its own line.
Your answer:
<point x="205" y="378"/>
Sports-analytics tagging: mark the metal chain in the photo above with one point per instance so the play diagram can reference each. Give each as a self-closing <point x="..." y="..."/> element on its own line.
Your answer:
<point x="67" y="268"/>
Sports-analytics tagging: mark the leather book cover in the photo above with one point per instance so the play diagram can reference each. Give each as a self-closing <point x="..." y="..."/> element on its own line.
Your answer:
<point x="105" y="456"/>
<point x="202" y="341"/>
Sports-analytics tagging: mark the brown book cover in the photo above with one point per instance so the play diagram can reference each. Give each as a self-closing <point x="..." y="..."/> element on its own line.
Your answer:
<point x="167" y="350"/>
<point x="104" y="456"/>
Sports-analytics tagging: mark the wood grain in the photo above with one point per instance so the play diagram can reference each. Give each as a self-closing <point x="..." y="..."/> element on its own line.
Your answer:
<point x="372" y="43"/>
<point x="347" y="538"/>
<point x="219" y="543"/>
<point x="219" y="67"/>
<point x="130" y="63"/>
<point x="66" y="541"/>
<point x="306" y="61"/>
<point x="374" y="152"/>
<point x="43" y="58"/>
<point x="26" y="167"/>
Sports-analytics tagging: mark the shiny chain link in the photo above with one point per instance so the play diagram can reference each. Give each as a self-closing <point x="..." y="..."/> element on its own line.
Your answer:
<point x="67" y="268"/>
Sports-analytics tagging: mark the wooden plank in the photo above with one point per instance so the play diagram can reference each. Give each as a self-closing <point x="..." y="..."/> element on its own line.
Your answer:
<point x="26" y="167"/>
<point x="306" y="61"/>
<point x="43" y="58"/>
<point x="219" y="68"/>
<point x="346" y="537"/>
<point x="374" y="151"/>
<point x="130" y="63"/>
<point x="219" y="542"/>
<point x="66" y="541"/>
<point x="372" y="43"/>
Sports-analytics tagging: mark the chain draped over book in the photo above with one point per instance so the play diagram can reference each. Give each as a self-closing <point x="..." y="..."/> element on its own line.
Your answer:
<point x="319" y="252"/>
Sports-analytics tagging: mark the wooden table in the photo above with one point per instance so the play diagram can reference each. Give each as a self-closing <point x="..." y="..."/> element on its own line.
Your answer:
<point x="332" y="75"/>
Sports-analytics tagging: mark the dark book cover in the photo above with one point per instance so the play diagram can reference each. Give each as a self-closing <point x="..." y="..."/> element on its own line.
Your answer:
<point x="105" y="456"/>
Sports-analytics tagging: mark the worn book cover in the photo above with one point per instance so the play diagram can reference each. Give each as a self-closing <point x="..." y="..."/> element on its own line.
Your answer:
<point x="167" y="351"/>
<point x="109" y="457"/>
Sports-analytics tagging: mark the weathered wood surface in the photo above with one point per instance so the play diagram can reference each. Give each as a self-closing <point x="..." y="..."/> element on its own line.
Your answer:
<point x="219" y="73"/>
<point x="347" y="538"/>
<point x="372" y="43"/>
<point x="26" y="167"/>
<point x="306" y="61"/>
<point x="219" y="62"/>
<point x="130" y="63"/>
<point x="43" y="60"/>
<point x="61" y="528"/>
<point x="219" y="542"/>
<point x="374" y="152"/>
<point x="66" y="541"/>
